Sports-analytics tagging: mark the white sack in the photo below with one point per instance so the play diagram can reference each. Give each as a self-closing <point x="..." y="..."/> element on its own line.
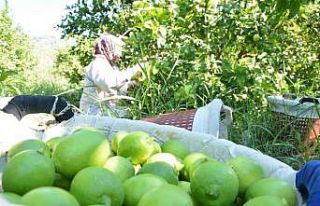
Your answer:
<point x="13" y="131"/>
<point x="208" y="119"/>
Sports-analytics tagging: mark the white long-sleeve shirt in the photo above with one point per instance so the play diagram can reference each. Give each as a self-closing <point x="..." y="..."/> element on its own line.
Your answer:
<point x="102" y="80"/>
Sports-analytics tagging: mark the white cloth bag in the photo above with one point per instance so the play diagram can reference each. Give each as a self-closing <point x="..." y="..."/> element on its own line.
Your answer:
<point x="208" y="119"/>
<point x="220" y="149"/>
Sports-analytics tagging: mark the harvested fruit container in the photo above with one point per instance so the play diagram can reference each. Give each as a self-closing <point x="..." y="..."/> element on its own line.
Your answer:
<point x="214" y="118"/>
<point x="297" y="116"/>
<point x="219" y="149"/>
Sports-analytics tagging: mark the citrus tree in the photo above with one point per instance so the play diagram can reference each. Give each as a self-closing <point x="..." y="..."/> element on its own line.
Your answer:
<point x="15" y="57"/>
<point x="239" y="51"/>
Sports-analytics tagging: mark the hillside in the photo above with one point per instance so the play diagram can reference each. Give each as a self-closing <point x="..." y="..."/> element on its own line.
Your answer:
<point x="45" y="48"/>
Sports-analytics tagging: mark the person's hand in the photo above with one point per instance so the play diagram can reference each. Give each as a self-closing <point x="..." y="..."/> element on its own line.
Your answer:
<point x="139" y="74"/>
<point x="308" y="182"/>
<point x="137" y="77"/>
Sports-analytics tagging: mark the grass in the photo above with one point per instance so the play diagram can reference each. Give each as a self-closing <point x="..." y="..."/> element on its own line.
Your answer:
<point x="261" y="130"/>
<point x="69" y="92"/>
<point x="41" y="80"/>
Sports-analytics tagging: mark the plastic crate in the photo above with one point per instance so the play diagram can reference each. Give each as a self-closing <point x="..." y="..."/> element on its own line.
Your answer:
<point x="182" y="119"/>
<point x="214" y="118"/>
<point x="300" y="116"/>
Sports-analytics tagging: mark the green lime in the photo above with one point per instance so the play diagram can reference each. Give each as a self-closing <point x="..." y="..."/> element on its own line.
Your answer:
<point x="49" y="196"/>
<point x="53" y="143"/>
<point x="137" y="186"/>
<point x="116" y="139"/>
<point x="121" y="167"/>
<point x="185" y="186"/>
<point x="267" y="201"/>
<point x="168" y="158"/>
<point x="191" y="162"/>
<point x="10" y="197"/>
<point x="137" y="146"/>
<point x="95" y="185"/>
<point x="256" y="37"/>
<point x="273" y="187"/>
<point x="26" y="171"/>
<point x="214" y="183"/>
<point x="30" y="144"/>
<point x="161" y="169"/>
<point x="168" y="195"/>
<point x="176" y="148"/>
<point x="156" y="147"/>
<point x="83" y="148"/>
<point x="62" y="181"/>
<point x="247" y="170"/>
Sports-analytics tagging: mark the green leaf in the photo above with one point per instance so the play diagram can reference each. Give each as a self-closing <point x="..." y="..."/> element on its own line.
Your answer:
<point x="282" y="5"/>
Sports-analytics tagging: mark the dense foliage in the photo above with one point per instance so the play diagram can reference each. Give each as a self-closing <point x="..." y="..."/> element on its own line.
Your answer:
<point x="16" y="55"/>
<point x="239" y="51"/>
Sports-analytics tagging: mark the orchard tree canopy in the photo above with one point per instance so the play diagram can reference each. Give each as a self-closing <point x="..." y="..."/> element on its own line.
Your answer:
<point x="204" y="49"/>
<point x="89" y="17"/>
<point x="16" y="54"/>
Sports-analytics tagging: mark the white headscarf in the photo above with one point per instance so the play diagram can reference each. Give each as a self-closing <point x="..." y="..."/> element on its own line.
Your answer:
<point x="110" y="46"/>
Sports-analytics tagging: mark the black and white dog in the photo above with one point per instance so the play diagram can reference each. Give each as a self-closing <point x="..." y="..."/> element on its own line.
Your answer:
<point x="22" y="105"/>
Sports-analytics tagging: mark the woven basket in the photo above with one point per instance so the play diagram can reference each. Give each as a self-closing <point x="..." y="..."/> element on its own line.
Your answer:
<point x="182" y="119"/>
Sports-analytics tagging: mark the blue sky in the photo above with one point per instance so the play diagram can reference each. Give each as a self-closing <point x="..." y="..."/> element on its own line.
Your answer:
<point x="38" y="17"/>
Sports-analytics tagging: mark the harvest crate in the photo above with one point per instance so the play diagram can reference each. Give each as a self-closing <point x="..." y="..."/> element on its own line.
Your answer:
<point x="214" y="118"/>
<point x="297" y="116"/>
<point x="182" y="119"/>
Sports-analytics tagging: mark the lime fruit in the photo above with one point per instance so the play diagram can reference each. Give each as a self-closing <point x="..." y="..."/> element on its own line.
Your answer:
<point x="191" y="162"/>
<point x="121" y="167"/>
<point x="137" y="186"/>
<point x="116" y="139"/>
<point x="247" y="171"/>
<point x="49" y="196"/>
<point x="176" y="148"/>
<point x="30" y="144"/>
<point x="168" y="158"/>
<point x="161" y="169"/>
<point x="214" y="183"/>
<point x="26" y="171"/>
<point x="10" y="197"/>
<point x="168" y="195"/>
<point x="95" y="185"/>
<point x="137" y="146"/>
<point x="185" y="186"/>
<point x="83" y="148"/>
<point x="266" y="201"/>
<point x="53" y="143"/>
<point x="273" y="187"/>
<point x="62" y="182"/>
<point x="256" y="37"/>
<point x="156" y="147"/>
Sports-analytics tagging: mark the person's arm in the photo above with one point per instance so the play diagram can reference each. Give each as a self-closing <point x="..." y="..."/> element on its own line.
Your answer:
<point x="308" y="182"/>
<point x="104" y="76"/>
<point x="137" y="69"/>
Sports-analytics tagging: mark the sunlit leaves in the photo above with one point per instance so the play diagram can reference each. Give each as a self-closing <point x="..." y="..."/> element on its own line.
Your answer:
<point x="15" y="55"/>
<point x="236" y="50"/>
